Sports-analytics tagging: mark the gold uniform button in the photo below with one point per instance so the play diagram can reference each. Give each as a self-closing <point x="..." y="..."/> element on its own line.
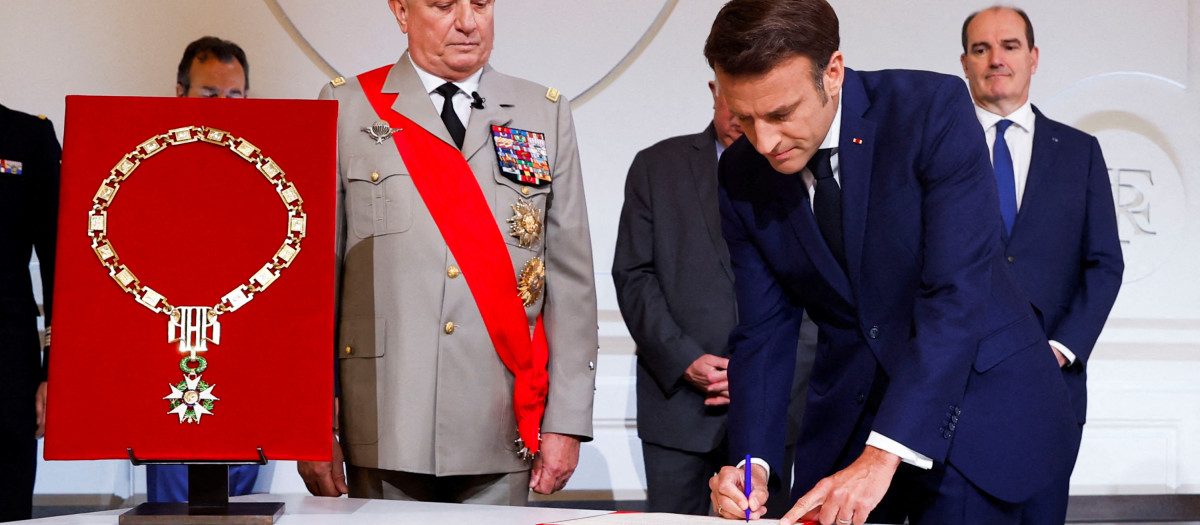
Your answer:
<point x="525" y="190"/>
<point x="348" y="350"/>
<point x="452" y="272"/>
<point x="374" y="176"/>
<point x="449" y="327"/>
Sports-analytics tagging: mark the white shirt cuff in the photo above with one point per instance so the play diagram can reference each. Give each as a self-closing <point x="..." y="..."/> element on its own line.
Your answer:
<point x="1062" y="349"/>
<point x="906" y="454"/>
<point x="757" y="461"/>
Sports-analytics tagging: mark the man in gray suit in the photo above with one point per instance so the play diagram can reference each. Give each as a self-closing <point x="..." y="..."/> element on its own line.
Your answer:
<point x="426" y="397"/>
<point x="675" y="289"/>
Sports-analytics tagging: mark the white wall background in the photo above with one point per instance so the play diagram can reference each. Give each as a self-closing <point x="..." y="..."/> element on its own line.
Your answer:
<point x="1124" y="70"/>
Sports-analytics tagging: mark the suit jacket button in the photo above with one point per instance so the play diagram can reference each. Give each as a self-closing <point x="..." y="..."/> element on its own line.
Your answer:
<point x="525" y="190"/>
<point x="374" y="176"/>
<point x="874" y="332"/>
<point x="1011" y="259"/>
<point x="452" y="272"/>
<point x="953" y="419"/>
<point x="348" y="350"/>
<point x="449" y="327"/>
<point x="860" y="398"/>
<point x="946" y="434"/>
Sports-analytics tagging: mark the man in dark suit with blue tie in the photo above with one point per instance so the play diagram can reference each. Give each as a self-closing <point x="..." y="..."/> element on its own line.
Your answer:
<point x="868" y="200"/>
<point x="1060" y="226"/>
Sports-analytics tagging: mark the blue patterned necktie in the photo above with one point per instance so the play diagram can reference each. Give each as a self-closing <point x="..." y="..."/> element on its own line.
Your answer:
<point x="1006" y="184"/>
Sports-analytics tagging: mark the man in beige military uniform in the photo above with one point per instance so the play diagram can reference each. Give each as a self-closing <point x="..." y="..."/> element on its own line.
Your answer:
<point x="426" y="404"/>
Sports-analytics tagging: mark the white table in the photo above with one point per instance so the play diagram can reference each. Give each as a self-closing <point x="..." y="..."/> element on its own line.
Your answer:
<point x="310" y="510"/>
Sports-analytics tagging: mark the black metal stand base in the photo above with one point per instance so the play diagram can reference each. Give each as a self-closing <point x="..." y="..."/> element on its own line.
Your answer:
<point x="208" y="500"/>
<point x="172" y="513"/>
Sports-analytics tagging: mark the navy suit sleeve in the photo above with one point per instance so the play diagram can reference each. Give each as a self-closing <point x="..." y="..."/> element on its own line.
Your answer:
<point x="47" y="155"/>
<point x="662" y="345"/>
<point x="1102" y="265"/>
<point x="763" y="348"/>
<point x="960" y="239"/>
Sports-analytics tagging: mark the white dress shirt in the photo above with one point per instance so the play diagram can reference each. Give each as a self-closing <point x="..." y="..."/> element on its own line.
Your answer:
<point x="1019" y="138"/>
<point x="831" y="143"/>
<point x="462" y="100"/>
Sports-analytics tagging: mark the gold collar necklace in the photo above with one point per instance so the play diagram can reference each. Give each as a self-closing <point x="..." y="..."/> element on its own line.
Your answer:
<point x="194" y="326"/>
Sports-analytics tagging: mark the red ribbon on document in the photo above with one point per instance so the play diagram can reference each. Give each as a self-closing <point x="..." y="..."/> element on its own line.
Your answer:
<point x="450" y="191"/>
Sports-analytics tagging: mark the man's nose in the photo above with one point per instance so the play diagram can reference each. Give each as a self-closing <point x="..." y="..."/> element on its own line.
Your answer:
<point x="465" y="21"/>
<point x="766" y="138"/>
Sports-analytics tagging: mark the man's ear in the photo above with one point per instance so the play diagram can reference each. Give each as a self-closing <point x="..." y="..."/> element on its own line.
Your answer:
<point x="179" y="91"/>
<point x="400" y="9"/>
<point x="835" y="73"/>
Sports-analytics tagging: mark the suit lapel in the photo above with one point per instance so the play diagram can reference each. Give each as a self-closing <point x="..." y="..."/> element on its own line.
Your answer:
<point x="496" y="112"/>
<point x="1041" y="164"/>
<point x="413" y="101"/>
<point x="856" y="153"/>
<point x="703" y="164"/>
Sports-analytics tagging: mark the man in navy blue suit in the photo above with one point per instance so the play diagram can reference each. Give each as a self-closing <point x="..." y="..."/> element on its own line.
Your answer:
<point x="1060" y="236"/>
<point x="868" y="200"/>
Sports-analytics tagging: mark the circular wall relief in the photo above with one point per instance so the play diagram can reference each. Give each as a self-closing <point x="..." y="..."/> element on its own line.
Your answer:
<point x="1149" y="198"/>
<point x="1135" y="118"/>
<point x="568" y="45"/>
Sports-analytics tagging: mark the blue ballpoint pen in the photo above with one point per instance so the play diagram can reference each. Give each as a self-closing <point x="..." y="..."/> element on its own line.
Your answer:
<point x="748" y="487"/>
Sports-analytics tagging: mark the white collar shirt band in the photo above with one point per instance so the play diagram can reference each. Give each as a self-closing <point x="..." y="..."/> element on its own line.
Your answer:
<point x="1019" y="138"/>
<point x="462" y="100"/>
<point x="830" y="142"/>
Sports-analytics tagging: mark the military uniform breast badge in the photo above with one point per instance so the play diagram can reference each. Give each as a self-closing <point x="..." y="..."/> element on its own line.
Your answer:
<point x="193" y="327"/>
<point x="526" y="223"/>
<point x="533" y="279"/>
<point x="380" y="131"/>
<point x="11" y="167"/>
<point x="522" y="155"/>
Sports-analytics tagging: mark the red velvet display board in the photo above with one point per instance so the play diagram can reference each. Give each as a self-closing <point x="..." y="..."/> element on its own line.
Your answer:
<point x="193" y="222"/>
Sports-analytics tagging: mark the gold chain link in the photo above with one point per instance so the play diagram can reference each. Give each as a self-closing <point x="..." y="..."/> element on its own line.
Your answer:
<point x="243" y="293"/>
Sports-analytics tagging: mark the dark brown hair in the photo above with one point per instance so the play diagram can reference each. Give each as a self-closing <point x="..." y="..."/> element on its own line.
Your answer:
<point x="205" y="48"/>
<point x="750" y="37"/>
<point x="1017" y="10"/>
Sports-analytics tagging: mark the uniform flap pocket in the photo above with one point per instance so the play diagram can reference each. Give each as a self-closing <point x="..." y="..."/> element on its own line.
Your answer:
<point x="362" y="337"/>
<point x="374" y="169"/>
<point x="1012" y="338"/>
<point x="524" y="190"/>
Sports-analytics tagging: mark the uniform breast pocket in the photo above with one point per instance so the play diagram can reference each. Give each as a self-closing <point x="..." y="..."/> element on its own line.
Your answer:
<point x="379" y="197"/>
<point x="521" y="212"/>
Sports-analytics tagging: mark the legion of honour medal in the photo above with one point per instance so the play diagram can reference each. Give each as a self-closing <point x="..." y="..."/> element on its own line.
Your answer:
<point x="193" y="327"/>
<point x="526" y="223"/>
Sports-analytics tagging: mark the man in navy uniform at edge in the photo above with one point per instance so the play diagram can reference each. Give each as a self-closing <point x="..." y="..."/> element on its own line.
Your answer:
<point x="29" y="165"/>
<point x="1060" y="226"/>
<point x="675" y="288"/>
<point x="210" y="68"/>
<point x="868" y="200"/>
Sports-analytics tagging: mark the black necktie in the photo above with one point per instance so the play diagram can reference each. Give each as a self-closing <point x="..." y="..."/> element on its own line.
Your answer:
<point x="827" y="204"/>
<point x="449" y="117"/>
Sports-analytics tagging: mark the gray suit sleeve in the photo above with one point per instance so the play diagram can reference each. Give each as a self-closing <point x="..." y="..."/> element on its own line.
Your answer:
<point x="339" y="251"/>
<point x="661" y="344"/>
<point x="569" y="312"/>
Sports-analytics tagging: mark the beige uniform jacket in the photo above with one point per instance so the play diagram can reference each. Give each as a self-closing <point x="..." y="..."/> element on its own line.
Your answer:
<point x="415" y="395"/>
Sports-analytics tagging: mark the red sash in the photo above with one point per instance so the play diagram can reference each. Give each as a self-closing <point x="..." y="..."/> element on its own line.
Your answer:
<point x="456" y="202"/>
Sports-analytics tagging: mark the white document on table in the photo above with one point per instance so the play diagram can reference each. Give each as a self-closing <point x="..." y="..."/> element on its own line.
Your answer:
<point x="654" y="518"/>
